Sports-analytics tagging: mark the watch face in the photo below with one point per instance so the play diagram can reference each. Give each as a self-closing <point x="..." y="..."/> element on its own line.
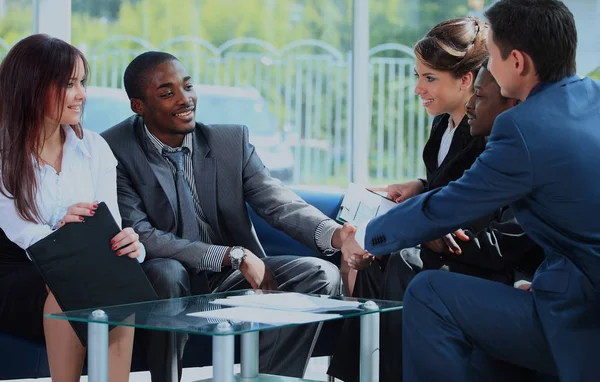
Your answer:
<point x="237" y="253"/>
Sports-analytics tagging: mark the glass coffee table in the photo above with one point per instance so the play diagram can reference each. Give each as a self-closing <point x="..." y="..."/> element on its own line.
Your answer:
<point x="173" y="315"/>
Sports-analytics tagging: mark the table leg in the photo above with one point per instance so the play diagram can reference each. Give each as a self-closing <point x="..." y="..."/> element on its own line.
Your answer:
<point x="329" y="377"/>
<point x="249" y="356"/>
<point x="98" y="348"/>
<point x="369" y="344"/>
<point x="172" y="365"/>
<point x="223" y="354"/>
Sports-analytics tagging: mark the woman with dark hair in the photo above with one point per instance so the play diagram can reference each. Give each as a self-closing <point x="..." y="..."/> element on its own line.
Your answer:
<point x="52" y="174"/>
<point x="448" y="59"/>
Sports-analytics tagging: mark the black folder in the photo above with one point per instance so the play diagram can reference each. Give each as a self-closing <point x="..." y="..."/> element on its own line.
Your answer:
<point x="83" y="271"/>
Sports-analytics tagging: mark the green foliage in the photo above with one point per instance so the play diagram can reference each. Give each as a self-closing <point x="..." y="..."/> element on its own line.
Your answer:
<point x="218" y="21"/>
<point x="16" y="23"/>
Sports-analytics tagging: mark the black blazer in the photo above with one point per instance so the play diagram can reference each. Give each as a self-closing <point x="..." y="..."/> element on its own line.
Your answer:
<point x="229" y="177"/>
<point x="498" y="244"/>
<point x="492" y="253"/>
<point x="464" y="149"/>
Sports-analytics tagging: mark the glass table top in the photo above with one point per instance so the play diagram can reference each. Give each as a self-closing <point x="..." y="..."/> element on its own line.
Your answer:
<point x="212" y="318"/>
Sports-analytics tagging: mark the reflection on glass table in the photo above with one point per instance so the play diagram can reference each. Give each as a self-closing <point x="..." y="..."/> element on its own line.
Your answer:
<point x="207" y="315"/>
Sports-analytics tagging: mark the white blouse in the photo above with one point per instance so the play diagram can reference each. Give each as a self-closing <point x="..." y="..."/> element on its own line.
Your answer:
<point x="88" y="174"/>
<point x="446" y="141"/>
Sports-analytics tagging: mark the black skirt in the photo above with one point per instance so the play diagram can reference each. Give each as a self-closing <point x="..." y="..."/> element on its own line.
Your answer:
<point x="22" y="297"/>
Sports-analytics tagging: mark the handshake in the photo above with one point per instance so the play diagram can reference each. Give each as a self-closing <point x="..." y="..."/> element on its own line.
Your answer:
<point x="354" y="255"/>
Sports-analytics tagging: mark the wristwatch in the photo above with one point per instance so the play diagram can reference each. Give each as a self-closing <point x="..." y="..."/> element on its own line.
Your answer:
<point x="237" y="255"/>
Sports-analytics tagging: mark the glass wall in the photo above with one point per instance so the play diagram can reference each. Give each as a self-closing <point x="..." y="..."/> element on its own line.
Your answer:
<point x="281" y="67"/>
<point x="16" y="22"/>
<point x="587" y="17"/>
<point x="399" y="125"/>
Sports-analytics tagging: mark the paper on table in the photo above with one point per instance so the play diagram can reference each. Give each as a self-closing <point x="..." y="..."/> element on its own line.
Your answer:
<point x="264" y="316"/>
<point x="288" y="301"/>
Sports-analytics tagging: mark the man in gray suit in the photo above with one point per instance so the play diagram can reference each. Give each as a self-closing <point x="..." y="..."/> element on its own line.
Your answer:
<point x="183" y="187"/>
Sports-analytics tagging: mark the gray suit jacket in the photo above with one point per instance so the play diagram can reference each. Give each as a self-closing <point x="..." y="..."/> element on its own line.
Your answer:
<point x="228" y="174"/>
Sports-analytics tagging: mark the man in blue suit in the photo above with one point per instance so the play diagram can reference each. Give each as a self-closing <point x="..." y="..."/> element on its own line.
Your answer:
<point x="543" y="159"/>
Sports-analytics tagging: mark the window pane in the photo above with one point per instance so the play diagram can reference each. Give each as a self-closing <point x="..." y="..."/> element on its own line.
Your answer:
<point x="16" y="22"/>
<point x="399" y="125"/>
<point x="587" y="15"/>
<point x="279" y="66"/>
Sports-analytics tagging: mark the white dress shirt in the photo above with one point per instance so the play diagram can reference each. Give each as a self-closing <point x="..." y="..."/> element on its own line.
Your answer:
<point x="88" y="174"/>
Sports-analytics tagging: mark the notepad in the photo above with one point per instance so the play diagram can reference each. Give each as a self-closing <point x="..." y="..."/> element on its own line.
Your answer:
<point x="361" y="205"/>
<point x="83" y="272"/>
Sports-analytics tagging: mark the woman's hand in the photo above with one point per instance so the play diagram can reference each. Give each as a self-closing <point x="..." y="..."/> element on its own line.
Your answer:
<point x="402" y="191"/>
<point x="127" y="242"/>
<point x="77" y="213"/>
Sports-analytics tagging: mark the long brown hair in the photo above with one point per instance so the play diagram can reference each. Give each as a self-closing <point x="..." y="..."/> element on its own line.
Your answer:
<point x="33" y="78"/>
<point x="456" y="46"/>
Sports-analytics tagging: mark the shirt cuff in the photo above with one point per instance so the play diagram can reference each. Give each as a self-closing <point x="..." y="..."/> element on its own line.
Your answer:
<point x="324" y="234"/>
<point x="360" y="234"/>
<point x="142" y="255"/>
<point x="213" y="260"/>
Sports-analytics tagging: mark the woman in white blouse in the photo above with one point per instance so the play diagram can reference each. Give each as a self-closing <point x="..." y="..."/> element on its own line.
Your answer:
<point x="52" y="173"/>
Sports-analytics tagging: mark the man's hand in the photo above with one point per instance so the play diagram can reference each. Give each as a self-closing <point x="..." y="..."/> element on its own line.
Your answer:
<point x="523" y="285"/>
<point x="256" y="272"/>
<point x="402" y="191"/>
<point x="341" y="234"/>
<point x="353" y="254"/>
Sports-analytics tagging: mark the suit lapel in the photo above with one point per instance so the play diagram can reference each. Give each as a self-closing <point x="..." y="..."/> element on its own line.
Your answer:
<point x="430" y="151"/>
<point x="205" y="173"/>
<point x="159" y="166"/>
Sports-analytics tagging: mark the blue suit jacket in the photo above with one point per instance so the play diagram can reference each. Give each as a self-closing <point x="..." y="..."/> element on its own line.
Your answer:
<point x="542" y="159"/>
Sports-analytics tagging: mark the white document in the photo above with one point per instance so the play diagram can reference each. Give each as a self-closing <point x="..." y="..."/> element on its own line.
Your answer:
<point x="295" y="302"/>
<point x="361" y="205"/>
<point x="264" y="316"/>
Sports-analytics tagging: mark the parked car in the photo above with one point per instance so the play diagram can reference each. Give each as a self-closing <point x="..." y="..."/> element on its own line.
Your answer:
<point x="106" y="107"/>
